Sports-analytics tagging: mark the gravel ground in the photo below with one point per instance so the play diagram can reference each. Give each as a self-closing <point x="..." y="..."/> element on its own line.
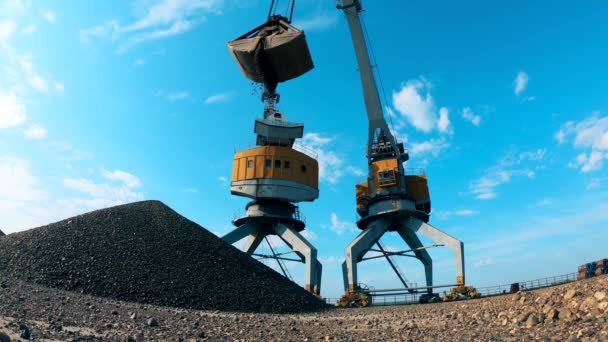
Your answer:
<point x="145" y="252"/>
<point x="571" y="312"/>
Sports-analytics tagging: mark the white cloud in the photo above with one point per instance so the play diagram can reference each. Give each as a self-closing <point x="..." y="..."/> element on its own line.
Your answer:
<point x="39" y="84"/>
<point x="29" y="29"/>
<point x="20" y="195"/>
<point x="309" y="235"/>
<point x="7" y="28"/>
<point x="109" y="28"/>
<point x="12" y="112"/>
<point x="433" y="147"/>
<point x="223" y="180"/>
<point x="175" y="29"/>
<point x="34" y="80"/>
<point x="460" y="212"/>
<point x="128" y="179"/>
<point x="339" y="227"/>
<point x="14" y="8"/>
<point x="59" y="87"/>
<point x="469" y="115"/>
<point x="330" y="165"/>
<point x="543" y="203"/>
<point x="590" y="134"/>
<point x="26" y="203"/>
<point x="182" y="95"/>
<point x="159" y="19"/>
<point x="520" y="82"/>
<point x="67" y="152"/>
<point x="35" y="132"/>
<point x="511" y="166"/>
<point x="444" y="125"/>
<point x="536" y="155"/>
<point x="105" y="194"/>
<point x="139" y="62"/>
<point x="49" y="16"/>
<point x="355" y="171"/>
<point x="219" y="98"/>
<point x="17" y="182"/>
<point x="317" y="22"/>
<point x="415" y="103"/>
<point x="484" y="262"/>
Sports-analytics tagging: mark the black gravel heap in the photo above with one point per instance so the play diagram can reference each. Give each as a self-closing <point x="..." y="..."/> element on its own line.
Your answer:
<point x="147" y="253"/>
<point x="1" y="233"/>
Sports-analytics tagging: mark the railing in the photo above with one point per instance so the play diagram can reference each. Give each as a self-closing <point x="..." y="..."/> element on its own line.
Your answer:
<point x="300" y="148"/>
<point x="241" y="212"/>
<point x="489" y="291"/>
<point x="415" y="171"/>
<point x="306" y="150"/>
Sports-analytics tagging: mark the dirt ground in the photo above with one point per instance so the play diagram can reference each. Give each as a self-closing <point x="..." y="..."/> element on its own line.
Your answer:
<point x="572" y="312"/>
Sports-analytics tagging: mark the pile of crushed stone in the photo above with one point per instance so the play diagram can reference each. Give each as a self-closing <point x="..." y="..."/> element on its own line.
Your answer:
<point x="145" y="252"/>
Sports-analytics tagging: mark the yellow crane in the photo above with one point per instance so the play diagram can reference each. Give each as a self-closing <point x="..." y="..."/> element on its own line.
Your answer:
<point x="391" y="200"/>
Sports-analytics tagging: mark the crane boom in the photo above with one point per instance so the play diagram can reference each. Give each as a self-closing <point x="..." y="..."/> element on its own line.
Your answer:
<point x="373" y="105"/>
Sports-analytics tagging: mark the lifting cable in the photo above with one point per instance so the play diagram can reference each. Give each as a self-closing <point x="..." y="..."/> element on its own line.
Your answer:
<point x="376" y="66"/>
<point x="289" y="6"/>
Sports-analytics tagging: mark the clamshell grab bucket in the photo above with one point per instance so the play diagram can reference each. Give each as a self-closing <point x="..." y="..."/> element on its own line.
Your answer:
<point x="274" y="51"/>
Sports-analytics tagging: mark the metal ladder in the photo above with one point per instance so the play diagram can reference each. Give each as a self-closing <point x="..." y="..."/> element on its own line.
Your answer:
<point x="279" y="260"/>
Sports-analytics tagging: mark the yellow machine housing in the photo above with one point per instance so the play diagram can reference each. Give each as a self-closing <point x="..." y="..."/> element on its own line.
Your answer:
<point x="275" y="172"/>
<point x="386" y="174"/>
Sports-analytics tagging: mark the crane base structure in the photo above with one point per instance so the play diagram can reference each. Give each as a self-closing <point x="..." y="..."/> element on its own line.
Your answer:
<point x="266" y="218"/>
<point x="407" y="223"/>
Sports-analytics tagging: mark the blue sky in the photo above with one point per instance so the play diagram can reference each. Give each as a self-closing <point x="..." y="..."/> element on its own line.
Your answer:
<point x="503" y="105"/>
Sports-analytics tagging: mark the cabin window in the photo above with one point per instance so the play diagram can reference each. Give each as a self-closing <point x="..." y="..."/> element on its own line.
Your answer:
<point x="249" y="164"/>
<point x="268" y="163"/>
<point x="386" y="177"/>
<point x="287" y="164"/>
<point x="277" y="164"/>
<point x="303" y="168"/>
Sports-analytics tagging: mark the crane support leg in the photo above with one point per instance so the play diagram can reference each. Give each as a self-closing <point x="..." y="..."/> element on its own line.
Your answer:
<point x="299" y="244"/>
<point x="357" y="249"/>
<point x="440" y="237"/>
<point x="345" y="276"/>
<point x="253" y="242"/>
<point x="421" y="254"/>
<point x="240" y="233"/>
<point x="318" y="284"/>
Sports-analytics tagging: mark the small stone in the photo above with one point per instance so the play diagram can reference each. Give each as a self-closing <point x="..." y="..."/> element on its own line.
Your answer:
<point x="570" y="294"/>
<point x="134" y="316"/>
<point x="566" y="315"/>
<point x="25" y="334"/>
<point x="552" y="314"/>
<point x="532" y="321"/>
<point x="522" y="300"/>
<point x="600" y="295"/>
<point x="603" y="306"/>
<point x="4" y="337"/>
<point x="523" y="317"/>
<point x="152" y="322"/>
